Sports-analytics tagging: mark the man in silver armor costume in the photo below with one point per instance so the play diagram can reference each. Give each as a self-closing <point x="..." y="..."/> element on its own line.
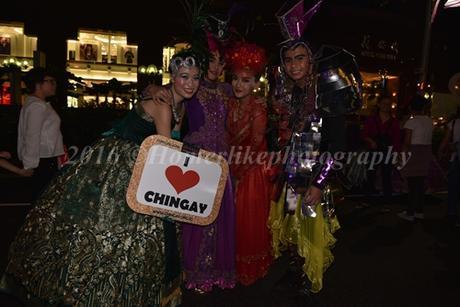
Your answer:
<point x="302" y="216"/>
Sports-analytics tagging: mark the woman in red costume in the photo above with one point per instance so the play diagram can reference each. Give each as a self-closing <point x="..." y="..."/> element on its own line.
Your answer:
<point x="246" y="127"/>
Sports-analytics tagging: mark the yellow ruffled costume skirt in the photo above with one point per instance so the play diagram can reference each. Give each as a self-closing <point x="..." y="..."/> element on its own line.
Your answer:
<point x="313" y="237"/>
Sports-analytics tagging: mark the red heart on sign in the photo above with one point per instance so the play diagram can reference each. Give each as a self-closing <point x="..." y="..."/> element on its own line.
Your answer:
<point x="181" y="181"/>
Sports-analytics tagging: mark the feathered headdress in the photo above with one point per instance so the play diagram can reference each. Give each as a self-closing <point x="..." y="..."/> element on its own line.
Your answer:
<point x="209" y="33"/>
<point x="246" y="56"/>
<point x="201" y="43"/>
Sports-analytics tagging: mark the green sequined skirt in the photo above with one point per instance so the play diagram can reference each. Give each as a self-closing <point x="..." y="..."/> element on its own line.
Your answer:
<point x="82" y="245"/>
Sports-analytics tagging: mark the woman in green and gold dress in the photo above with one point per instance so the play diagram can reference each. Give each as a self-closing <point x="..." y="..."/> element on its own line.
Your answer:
<point x="81" y="244"/>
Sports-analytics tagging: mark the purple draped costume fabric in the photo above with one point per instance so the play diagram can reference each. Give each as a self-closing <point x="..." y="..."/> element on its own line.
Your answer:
<point x="209" y="251"/>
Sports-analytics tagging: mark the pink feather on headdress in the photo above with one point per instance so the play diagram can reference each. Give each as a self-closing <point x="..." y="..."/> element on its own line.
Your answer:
<point x="213" y="44"/>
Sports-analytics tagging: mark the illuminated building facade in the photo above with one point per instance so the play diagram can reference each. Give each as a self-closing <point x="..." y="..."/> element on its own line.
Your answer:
<point x="16" y="56"/>
<point x="105" y="69"/>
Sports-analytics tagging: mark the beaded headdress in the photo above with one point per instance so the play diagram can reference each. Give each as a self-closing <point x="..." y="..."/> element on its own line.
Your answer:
<point x="185" y="58"/>
<point x="246" y="56"/>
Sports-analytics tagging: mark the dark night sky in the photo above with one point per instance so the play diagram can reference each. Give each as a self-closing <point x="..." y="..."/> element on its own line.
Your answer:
<point x="153" y="27"/>
<point x="149" y="26"/>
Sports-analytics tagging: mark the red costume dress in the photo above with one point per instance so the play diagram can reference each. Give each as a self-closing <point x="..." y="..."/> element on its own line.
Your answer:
<point x="246" y="126"/>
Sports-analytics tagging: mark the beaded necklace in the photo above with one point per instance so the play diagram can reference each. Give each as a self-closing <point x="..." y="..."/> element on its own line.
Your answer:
<point x="173" y="108"/>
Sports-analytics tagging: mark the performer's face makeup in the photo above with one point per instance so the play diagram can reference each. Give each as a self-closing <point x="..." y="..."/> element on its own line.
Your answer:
<point x="186" y="81"/>
<point x="216" y="66"/>
<point x="244" y="82"/>
<point x="296" y="63"/>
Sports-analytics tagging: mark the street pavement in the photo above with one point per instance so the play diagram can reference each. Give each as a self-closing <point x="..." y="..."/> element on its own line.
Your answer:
<point x="380" y="259"/>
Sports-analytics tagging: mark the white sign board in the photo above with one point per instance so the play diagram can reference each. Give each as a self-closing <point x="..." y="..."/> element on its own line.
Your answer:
<point x="185" y="185"/>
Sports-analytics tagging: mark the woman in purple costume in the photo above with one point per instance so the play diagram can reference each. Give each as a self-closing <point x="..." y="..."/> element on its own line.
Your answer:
<point x="209" y="251"/>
